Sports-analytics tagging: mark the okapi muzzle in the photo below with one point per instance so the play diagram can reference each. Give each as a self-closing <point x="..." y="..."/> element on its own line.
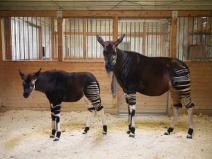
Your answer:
<point x="27" y="88"/>
<point x="110" y="63"/>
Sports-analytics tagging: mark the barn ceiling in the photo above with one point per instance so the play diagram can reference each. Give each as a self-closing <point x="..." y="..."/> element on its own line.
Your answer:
<point x="105" y="4"/>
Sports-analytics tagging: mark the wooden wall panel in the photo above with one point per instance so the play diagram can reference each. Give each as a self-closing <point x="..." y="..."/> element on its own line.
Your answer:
<point x="11" y="88"/>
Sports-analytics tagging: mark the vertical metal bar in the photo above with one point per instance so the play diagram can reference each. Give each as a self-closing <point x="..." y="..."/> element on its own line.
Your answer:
<point x="84" y="38"/>
<point x="122" y="27"/>
<point x="135" y="34"/>
<point x="50" y="51"/>
<point x="70" y="37"/>
<point x="23" y="37"/>
<point x="96" y="40"/>
<point x="78" y="38"/>
<point x="100" y="34"/>
<point x="41" y="40"/>
<point x="144" y="38"/>
<point x="110" y="31"/>
<point x="139" y="38"/>
<point x="179" y="37"/>
<point x="152" y="42"/>
<point x="36" y="34"/>
<point x="91" y="25"/>
<point x="15" y="50"/>
<point x="28" y="37"/>
<point x="32" y="36"/>
<point x="19" y="36"/>
<point x="147" y="45"/>
<point x="131" y="47"/>
<point x="86" y="33"/>
<point x="74" y="19"/>
<point x="126" y="30"/>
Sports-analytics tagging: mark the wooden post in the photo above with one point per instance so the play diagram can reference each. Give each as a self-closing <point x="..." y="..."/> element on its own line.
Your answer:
<point x="60" y="38"/>
<point x="114" y="81"/>
<point x="115" y="28"/>
<point x="84" y="38"/>
<point x="173" y="34"/>
<point x="8" y="41"/>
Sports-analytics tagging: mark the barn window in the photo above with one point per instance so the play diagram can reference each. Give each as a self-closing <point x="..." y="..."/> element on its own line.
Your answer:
<point x="194" y="38"/>
<point x="80" y="36"/>
<point x="146" y="36"/>
<point x="29" y="38"/>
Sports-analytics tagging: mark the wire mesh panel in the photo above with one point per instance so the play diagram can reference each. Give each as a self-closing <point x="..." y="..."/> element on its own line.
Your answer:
<point x="80" y="36"/>
<point x="32" y="38"/>
<point x="73" y="37"/>
<point x="146" y="36"/>
<point x="194" y="38"/>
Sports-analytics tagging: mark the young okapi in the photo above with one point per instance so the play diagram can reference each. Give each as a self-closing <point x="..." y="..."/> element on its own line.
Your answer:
<point x="151" y="76"/>
<point x="61" y="86"/>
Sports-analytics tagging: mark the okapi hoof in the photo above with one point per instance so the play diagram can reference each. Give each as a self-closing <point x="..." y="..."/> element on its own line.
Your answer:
<point x="53" y="133"/>
<point x="104" y="130"/>
<point x="128" y="132"/>
<point x="57" y="136"/>
<point x="189" y="136"/>
<point x="129" y="129"/>
<point x="86" y="130"/>
<point x="190" y="132"/>
<point x="51" y="136"/>
<point x="132" y="135"/>
<point x="168" y="132"/>
<point x="104" y="133"/>
<point x="56" y="139"/>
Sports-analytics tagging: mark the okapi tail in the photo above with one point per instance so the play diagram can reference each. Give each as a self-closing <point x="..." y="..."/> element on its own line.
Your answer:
<point x="178" y="63"/>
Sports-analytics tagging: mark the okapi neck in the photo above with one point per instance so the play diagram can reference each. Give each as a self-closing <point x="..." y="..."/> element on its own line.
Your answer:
<point x="39" y="85"/>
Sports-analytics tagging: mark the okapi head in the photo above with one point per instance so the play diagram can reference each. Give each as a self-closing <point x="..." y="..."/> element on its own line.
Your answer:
<point x="109" y="51"/>
<point x="29" y="82"/>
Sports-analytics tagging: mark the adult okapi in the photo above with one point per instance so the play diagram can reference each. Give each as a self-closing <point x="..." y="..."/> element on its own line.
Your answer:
<point x="150" y="76"/>
<point x="61" y="86"/>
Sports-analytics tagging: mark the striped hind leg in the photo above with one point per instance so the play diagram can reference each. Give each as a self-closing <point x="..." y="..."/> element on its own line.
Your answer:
<point x="92" y="92"/>
<point x="181" y="84"/>
<point x="177" y="106"/>
<point x="89" y="116"/>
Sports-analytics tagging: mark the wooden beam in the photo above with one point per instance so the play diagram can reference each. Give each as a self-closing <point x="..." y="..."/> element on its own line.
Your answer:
<point x="28" y="13"/>
<point x="120" y="13"/>
<point x="194" y="13"/>
<point x="106" y="13"/>
<point x="173" y="34"/>
<point x="60" y="38"/>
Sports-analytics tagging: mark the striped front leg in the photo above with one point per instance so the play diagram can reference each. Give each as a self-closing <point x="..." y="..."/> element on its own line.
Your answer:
<point x="131" y="101"/>
<point x="55" y="115"/>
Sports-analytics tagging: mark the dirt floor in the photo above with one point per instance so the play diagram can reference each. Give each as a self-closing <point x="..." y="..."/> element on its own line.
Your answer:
<point x="24" y="134"/>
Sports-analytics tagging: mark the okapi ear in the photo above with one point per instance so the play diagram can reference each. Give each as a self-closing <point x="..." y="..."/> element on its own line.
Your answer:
<point x="37" y="73"/>
<point x="100" y="40"/>
<point x="119" y="40"/>
<point x="21" y="74"/>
